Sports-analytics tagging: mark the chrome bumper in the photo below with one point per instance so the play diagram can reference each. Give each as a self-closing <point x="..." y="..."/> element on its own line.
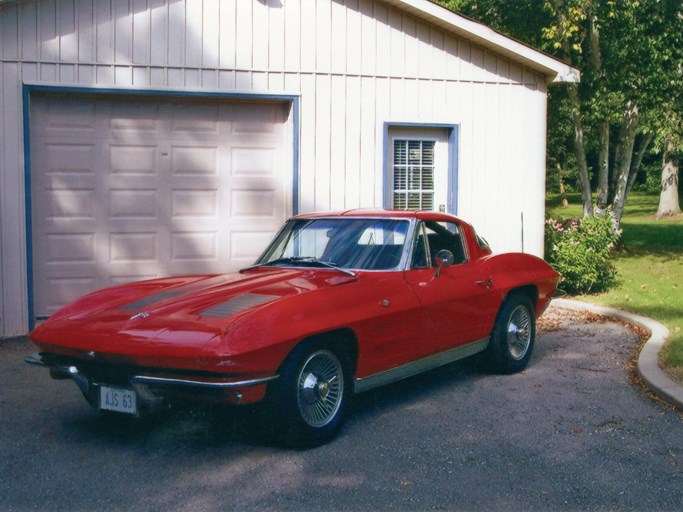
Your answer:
<point x="141" y="383"/>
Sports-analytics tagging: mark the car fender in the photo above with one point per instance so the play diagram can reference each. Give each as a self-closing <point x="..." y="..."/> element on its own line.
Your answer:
<point x="512" y="271"/>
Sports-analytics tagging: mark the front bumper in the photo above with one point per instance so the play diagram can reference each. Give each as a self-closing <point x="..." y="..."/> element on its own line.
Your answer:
<point x="153" y="387"/>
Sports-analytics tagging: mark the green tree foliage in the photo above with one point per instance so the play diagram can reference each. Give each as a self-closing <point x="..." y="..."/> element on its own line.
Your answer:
<point x="630" y="54"/>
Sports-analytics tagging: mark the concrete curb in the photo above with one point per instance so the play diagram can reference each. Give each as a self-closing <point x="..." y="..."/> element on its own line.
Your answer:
<point x="648" y="360"/>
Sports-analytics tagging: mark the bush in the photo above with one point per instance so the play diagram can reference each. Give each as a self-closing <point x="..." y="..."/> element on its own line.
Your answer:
<point x="579" y="249"/>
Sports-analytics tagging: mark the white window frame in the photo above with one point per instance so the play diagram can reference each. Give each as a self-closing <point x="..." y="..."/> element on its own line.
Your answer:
<point x="446" y="138"/>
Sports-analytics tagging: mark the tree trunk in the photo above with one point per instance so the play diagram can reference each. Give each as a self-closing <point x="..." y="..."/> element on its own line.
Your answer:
<point x="637" y="160"/>
<point x="603" y="125"/>
<point x="580" y="150"/>
<point x="622" y="160"/>
<point x="603" y="169"/>
<point x="563" y="190"/>
<point x="668" y="198"/>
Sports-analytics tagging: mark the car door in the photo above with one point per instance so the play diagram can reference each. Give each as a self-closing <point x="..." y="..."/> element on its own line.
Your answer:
<point x="457" y="303"/>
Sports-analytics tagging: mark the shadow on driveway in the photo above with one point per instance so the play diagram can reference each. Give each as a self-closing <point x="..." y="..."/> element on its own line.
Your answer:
<point x="569" y="433"/>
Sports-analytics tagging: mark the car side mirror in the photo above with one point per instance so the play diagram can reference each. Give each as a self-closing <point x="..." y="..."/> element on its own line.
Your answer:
<point x="444" y="258"/>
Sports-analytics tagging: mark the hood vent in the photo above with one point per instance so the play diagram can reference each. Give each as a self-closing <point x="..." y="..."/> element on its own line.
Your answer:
<point x="151" y="299"/>
<point x="237" y="305"/>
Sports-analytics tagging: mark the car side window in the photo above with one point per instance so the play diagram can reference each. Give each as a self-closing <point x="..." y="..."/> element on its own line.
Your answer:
<point x="445" y="235"/>
<point x="420" y="258"/>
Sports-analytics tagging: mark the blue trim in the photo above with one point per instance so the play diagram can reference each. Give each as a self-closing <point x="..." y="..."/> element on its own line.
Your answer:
<point x="295" y="151"/>
<point x="157" y="92"/>
<point x="453" y="152"/>
<point x="28" y="89"/>
<point x="25" y="95"/>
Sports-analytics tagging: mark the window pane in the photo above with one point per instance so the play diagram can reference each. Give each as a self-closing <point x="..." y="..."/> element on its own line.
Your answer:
<point x="428" y="153"/>
<point x="400" y="152"/>
<point x="400" y="179"/>
<point x="413" y="174"/>
<point x="427" y="201"/>
<point x="428" y="178"/>
<point x="415" y="152"/>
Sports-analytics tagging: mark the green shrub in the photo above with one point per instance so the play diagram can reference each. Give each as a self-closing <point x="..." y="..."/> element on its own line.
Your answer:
<point x="579" y="249"/>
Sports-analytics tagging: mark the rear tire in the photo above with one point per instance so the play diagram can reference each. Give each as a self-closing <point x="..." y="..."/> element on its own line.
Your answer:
<point x="513" y="336"/>
<point x="306" y="405"/>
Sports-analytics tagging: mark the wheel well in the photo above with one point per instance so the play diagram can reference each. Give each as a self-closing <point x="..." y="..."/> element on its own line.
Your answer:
<point x="344" y="340"/>
<point x="528" y="290"/>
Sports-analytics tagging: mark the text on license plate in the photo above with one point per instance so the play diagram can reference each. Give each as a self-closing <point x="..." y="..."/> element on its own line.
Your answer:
<point x="118" y="399"/>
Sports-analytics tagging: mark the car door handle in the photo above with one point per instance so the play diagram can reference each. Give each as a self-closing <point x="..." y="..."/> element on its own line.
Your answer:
<point x="485" y="282"/>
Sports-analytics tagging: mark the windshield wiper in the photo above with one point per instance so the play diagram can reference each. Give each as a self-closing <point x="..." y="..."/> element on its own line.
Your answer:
<point x="302" y="259"/>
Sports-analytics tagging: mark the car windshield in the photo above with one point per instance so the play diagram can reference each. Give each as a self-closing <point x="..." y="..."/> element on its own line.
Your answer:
<point x="358" y="244"/>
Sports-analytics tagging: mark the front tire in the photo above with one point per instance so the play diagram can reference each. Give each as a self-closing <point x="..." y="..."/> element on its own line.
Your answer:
<point x="513" y="336"/>
<point x="307" y="403"/>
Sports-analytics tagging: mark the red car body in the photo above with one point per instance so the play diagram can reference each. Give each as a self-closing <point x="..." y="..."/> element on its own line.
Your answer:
<point x="226" y="337"/>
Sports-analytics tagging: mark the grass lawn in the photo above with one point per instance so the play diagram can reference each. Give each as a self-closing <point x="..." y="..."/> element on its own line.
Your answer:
<point x="650" y="266"/>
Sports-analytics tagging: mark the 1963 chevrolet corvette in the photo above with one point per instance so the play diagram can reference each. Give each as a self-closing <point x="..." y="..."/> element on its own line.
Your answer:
<point x="339" y="303"/>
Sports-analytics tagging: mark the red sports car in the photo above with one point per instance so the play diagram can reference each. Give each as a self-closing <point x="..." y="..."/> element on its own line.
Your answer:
<point x="339" y="303"/>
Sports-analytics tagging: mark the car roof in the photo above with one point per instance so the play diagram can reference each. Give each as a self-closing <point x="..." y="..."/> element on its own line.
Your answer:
<point x="381" y="213"/>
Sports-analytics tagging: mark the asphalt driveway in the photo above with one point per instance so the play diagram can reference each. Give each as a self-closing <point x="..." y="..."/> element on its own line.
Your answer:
<point x="570" y="433"/>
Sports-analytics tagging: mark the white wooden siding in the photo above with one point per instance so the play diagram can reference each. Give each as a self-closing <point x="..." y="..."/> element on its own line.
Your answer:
<point x="355" y="64"/>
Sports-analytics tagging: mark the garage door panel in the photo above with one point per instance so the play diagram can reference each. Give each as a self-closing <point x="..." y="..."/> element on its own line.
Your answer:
<point x="194" y="160"/>
<point x="194" y="246"/>
<point x="258" y="119"/>
<point x="69" y="204"/>
<point x="253" y="161"/>
<point x="75" y="248"/>
<point x="68" y="158"/>
<point x="194" y="203"/>
<point x="132" y="203"/>
<point x="127" y="189"/>
<point x="201" y="119"/>
<point x="133" y="247"/>
<point x="133" y="118"/>
<point x="67" y="114"/>
<point x="133" y="159"/>
<point x="250" y="203"/>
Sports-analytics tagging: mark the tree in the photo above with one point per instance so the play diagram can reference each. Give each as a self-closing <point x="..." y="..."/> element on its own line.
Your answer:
<point x="669" y="128"/>
<point x="628" y="55"/>
<point x="668" y="198"/>
<point x="624" y="50"/>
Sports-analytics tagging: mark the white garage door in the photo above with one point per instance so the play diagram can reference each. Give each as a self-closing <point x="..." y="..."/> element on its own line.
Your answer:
<point x="124" y="189"/>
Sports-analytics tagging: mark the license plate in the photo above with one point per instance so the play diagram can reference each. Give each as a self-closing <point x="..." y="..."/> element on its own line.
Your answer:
<point x="118" y="399"/>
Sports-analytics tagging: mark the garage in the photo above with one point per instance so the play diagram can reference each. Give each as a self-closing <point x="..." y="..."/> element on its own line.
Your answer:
<point x="140" y="139"/>
<point x="124" y="188"/>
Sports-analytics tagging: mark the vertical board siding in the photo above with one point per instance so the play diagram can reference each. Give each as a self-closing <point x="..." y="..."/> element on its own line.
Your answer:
<point x="4" y="213"/>
<point x="14" y="290"/>
<point x="355" y="64"/>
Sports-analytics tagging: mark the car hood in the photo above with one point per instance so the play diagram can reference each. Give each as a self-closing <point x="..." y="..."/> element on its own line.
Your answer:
<point x="180" y="313"/>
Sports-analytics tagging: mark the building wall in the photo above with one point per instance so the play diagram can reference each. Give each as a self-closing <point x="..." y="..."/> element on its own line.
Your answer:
<point x="355" y="64"/>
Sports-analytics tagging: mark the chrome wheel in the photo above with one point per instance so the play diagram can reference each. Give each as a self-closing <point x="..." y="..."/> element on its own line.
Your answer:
<point x="519" y="332"/>
<point x="513" y="336"/>
<point x="320" y="388"/>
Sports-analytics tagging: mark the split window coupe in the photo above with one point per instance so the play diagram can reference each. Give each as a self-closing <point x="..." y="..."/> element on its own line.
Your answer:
<point x="339" y="303"/>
